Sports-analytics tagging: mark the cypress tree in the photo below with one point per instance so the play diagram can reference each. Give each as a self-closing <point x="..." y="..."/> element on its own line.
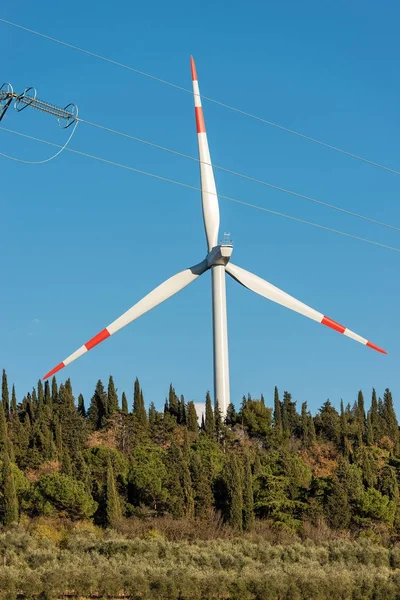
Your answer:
<point x="209" y="424"/>
<point x="344" y="440"/>
<point x="230" y="419"/>
<point x="81" y="406"/>
<point x="203" y="425"/>
<point x="54" y="390"/>
<point x="338" y="508"/>
<point x="360" y="416"/>
<point x="10" y="500"/>
<point x="312" y="436"/>
<point x="234" y="492"/>
<point x="304" y="423"/>
<point x="370" y="431"/>
<point x="152" y="414"/>
<point x="277" y="411"/>
<point x="248" y="498"/>
<point x="113" y="505"/>
<point x="4" y="395"/>
<point x="391" y="424"/>
<point x="47" y="393"/>
<point x="98" y="407"/>
<point x="13" y="400"/>
<point x="3" y="430"/>
<point x="182" y="411"/>
<point x="66" y="465"/>
<point x="192" y="420"/>
<point x="262" y="400"/>
<point x="217" y="420"/>
<point x="112" y="398"/>
<point x="173" y="402"/>
<point x="375" y="418"/>
<point x="124" y="403"/>
<point x="201" y="477"/>
<point x="40" y="393"/>
<point x="138" y="404"/>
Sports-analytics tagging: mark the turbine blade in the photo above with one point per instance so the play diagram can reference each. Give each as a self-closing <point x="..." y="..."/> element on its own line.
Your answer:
<point x="161" y="293"/>
<point x="208" y="190"/>
<point x="266" y="289"/>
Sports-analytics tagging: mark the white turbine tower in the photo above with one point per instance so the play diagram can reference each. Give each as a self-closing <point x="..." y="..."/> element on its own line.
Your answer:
<point x="218" y="260"/>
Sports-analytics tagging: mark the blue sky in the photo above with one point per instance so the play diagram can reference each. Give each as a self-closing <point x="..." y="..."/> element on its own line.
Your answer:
<point x="81" y="241"/>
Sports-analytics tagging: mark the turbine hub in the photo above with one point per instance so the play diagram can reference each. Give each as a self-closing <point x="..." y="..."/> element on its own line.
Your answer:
<point x="219" y="255"/>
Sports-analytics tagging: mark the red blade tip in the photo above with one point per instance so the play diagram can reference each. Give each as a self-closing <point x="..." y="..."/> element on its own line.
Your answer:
<point x="193" y="68"/>
<point x="370" y="345"/>
<point x="57" y="368"/>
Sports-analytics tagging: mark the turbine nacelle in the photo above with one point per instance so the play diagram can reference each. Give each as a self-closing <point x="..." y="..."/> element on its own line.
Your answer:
<point x="220" y="255"/>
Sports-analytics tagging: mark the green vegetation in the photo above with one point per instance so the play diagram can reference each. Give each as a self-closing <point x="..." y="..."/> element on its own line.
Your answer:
<point x="271" y="503"/>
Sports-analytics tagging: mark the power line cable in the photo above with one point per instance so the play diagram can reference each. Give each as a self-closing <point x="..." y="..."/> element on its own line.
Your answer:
<point x="46" y="160"/>
<point x="208" y="98"/>
<point x="242" y="175"/>
<point x="192" y="187"/>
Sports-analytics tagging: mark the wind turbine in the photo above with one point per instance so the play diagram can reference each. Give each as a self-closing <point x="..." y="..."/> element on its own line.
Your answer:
<point x="218" y="260"/>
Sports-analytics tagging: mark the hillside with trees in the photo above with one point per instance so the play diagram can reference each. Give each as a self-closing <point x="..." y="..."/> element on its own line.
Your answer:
<point x="112" y="497"/>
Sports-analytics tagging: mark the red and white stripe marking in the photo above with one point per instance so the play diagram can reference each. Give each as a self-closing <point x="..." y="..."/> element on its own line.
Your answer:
<point x="208" y="188"/>
<point x="100" y="337"/>
<point x="354" y="336"/>
<point x="271" y="292"/>
<point x="161" y="293"/>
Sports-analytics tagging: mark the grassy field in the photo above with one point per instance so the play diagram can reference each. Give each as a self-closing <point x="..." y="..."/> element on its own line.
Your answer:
<point x="83" y="561"/>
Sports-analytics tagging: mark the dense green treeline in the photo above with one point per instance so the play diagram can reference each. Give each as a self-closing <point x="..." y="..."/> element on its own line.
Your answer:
<point x="111" y="497"/>
<point x="109" y="461"/>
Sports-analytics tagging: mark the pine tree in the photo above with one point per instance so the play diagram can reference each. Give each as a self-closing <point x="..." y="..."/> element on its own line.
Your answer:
<point x="10" y="500"/>
<point x="112" y="398"/>
<point x="81" y="406"/>
<point x="113" y="505"/>
<point x="4" y="395"/>
<point x="124" y="403"/>
<point x="209" y="420"/>
<point x="277" y="411"/>
<point x="248" y="498"/>
<point x="192" y="420"/>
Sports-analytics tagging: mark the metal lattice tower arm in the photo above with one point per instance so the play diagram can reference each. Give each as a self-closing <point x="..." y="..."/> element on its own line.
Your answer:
<point x="66" y="115"/>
